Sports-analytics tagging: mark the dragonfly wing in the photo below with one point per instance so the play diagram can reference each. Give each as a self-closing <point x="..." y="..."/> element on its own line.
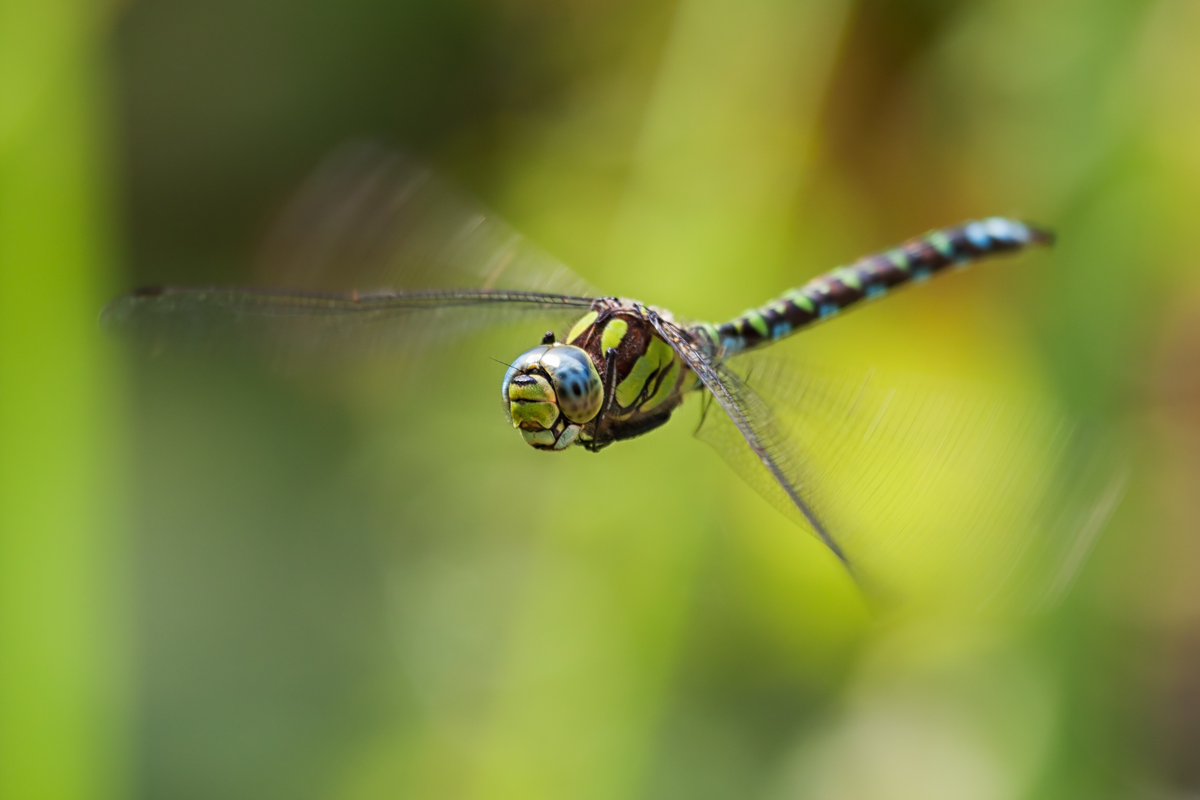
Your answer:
<point x="776" y="467"/>
<point x="295" y="323"/>
<point x="927" y="490"/>
<point x="370" y="217"/>
<point x="378" y="255"/>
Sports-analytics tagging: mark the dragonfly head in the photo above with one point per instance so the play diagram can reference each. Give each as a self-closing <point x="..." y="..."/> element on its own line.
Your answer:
<point x="550" y="392"/>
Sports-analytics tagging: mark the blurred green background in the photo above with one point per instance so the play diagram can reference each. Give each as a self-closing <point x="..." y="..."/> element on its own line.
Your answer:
<point x="219" y="583"/>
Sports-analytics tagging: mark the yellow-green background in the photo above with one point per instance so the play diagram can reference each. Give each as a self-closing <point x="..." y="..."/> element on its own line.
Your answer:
<point x="219" y="583"/>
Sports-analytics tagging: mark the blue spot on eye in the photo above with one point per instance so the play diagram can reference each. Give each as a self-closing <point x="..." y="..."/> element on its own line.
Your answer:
<point x="977" y="235"/>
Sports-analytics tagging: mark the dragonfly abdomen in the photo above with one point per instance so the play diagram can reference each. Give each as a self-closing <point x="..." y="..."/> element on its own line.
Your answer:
<point x="870" y="277"/>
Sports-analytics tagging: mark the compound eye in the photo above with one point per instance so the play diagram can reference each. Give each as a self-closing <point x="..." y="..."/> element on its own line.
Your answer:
<point x="576" y="382"/>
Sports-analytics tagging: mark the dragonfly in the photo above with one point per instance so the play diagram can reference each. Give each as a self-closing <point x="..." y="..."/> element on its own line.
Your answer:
<point x="432" y="266"/>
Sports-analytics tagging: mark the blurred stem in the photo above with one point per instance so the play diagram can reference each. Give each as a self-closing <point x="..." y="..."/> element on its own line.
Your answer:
<point x="59" y="630"/>
<point x="724" y="148"/>
<point x="719" y="159"/>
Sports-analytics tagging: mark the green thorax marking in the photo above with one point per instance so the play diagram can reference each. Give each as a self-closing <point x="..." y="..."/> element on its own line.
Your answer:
<point x="614" y="333"/>
<point x="666" y="385"/>
<point x="585" y="322"/>
<point x="658" y="356"/>
<point x="647" y="373"/>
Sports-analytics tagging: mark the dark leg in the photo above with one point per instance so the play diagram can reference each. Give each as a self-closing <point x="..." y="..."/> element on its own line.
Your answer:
<point x="610" y="380"/>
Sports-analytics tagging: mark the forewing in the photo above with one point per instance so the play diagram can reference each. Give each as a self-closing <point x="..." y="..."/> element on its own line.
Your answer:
<point x="928" y="491"/>
<point x="290" y="325"/>
<point x="378" y="255"/>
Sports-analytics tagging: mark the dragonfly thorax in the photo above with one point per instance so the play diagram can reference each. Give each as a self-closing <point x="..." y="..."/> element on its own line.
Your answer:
<point x="643" y="379"/>
<point x="550" y="392"/>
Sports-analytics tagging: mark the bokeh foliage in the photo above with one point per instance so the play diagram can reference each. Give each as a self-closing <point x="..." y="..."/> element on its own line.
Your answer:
<point x="63" y="642"/>
<point x="362" y="585"/>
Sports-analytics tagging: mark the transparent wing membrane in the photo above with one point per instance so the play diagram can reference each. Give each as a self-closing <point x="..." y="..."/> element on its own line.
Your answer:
<point x="372" y="218"/>
<point x="926" y="491"/>
<point x="380" y="256"/>
<point x="301" y="324"/>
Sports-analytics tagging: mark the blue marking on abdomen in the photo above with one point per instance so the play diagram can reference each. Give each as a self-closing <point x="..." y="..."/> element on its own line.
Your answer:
<point x="977" y="235"/>
<point x="1006" y="230"/>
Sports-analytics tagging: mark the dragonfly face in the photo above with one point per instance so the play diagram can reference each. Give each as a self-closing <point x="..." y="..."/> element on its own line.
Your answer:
<point x="551" y="391"/>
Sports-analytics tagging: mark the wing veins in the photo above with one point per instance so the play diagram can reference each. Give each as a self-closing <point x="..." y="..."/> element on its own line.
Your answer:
<point x="718" y="382"/>
<point x="296" y="301"/>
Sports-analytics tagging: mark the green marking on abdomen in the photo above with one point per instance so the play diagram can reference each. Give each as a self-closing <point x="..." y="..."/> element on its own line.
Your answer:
<point x="756" y="320"/>
<point x="848" y="278"/>
<point x="899" y="259"/>
<point x="941" y="243"/>
<point x="799" y="299"/>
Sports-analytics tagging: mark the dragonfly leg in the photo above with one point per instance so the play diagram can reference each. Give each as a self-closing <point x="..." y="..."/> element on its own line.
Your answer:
<point x="610" y="381"/>
<point x="705" y="404"/>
